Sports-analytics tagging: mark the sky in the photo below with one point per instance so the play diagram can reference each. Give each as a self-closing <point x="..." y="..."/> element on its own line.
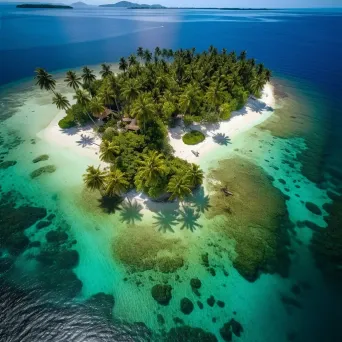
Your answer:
<point x="212" y="3"/>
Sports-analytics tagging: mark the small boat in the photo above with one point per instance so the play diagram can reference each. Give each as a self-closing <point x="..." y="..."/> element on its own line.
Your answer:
<point x="226" y="191"/>
<point x="195" y="153"/>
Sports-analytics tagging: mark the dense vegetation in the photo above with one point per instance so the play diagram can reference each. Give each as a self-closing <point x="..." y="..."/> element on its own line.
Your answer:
<point x="156" y="89"/>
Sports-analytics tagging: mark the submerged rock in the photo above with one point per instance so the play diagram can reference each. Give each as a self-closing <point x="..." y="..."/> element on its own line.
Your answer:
<point x="313" y="208"/>
<point x="42" y="170"/>
<point x="186" y="306"/>
<point x="195" y="283"/>
<point x="102" y="302"/>
<point x="56" y="236"/>
<point x="211" y="301"/>
<point x="160" y="319"/>
<point x="230" y="328"/>
<point x="189" y="334"/>
<point x="40" y="158"/>
<point x="6" y="164"/>
<point x="162" y="293"/>
<point x="42" y="224"/>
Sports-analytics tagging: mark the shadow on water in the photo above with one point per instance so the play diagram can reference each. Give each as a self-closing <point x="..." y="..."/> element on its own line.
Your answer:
<point x="130" y="212"/>
<point x="166" y="221"/>
<point x="188" y="217"/>
<point x="110" y="205"/>
<point x="221" y="139"/>
<point x="199" y="200"/>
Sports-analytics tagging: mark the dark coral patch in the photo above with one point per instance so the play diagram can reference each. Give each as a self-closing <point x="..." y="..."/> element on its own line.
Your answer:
<point x="313" y="208"/>
<point x="162" y="293"/>
<point x="186" y="306"/>
<point x="189" y="334"/>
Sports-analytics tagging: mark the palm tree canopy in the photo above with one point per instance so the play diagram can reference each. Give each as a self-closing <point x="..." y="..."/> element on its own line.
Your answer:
<point x="116" y="183"/>
<point x="143" y="108"/>
<point x="61" y="101"/>
<point x="82" y="97"/>
<point x="94" y="178"/>
<point x="108" y="151"/>
<point x="179" y="187"/>
<point x="130" y="90"/>
<point x="72" y="80"/>
<point x="123" y="65"/>
<point x="195" y="175"/>
<point x="152" y="168"/>
<point x="96" y="106"/>
<point x="88" y="76"/>
<point x="106" y="70"/>
<point x="44" y="80"/>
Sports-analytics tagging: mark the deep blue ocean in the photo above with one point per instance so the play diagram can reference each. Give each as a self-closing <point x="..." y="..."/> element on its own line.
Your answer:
<point x="303" y="47"/>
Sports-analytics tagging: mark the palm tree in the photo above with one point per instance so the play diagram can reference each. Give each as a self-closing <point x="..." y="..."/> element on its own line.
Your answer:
<point x="123" y="64"/>
<point x="152" y="168"/>
<point x="140" y="53"/>
<point x="143" y="108"/>
<point x="195" y="175"/>
<point x="132" y="60"/>
<point x="108" y="151"/>
<point x="94" y="178"/>
<point x="105" y="72"/>
<point x="130" y="90"/>
<point x="216" y="95"/>
<point x="189" y="100"/>
<point x="72" y="80"/>
<point x="61" y="101"/>
<point x="256" y="85"/>
<point x="88" y="76"/>
<point x="116" y="183"/>
<point x="243" y="55"/>
<point x="147" y="56"/>
<point x="82" y="97"/>
<point x="157" y="52"/>
<point x="96" y="106"/>
<point x="179" y="186"/>
<point x="44" y="80"/>
<point x="107" y="95"/>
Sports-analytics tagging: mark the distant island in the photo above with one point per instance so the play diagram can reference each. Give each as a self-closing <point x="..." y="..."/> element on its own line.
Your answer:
<point x="44" y="6"/>
<point x="79" y="4"/>
<point x="132" y="5"/>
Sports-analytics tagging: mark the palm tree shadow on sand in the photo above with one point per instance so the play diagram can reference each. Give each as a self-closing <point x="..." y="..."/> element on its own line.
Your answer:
<point x="85" y="141"/>
<point x="165" y="221"/>
<point x="221" y="139"/>
<point x="199" y="200"/>
<point x="110" y="205"/>
<point x="188" y="217"/>
<point x="130" y="212"/>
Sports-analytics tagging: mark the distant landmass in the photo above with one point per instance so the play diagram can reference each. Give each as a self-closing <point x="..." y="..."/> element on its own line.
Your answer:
<point x="128" y="4"/>
<point x="79" y="4"/>
<point x="44" y="6"/>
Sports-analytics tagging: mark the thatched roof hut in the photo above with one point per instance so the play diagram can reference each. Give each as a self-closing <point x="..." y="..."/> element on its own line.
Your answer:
<point x="107" y="112"/>
<point x="133" y="126"/>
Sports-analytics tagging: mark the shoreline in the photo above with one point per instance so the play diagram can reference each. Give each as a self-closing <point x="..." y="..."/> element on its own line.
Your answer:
<point x="85" y="141"/>
<point x="252" y="114"/>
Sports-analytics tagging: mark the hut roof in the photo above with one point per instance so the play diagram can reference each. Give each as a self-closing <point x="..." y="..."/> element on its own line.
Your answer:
<point x="126" y="119"/>
<point x="107" y="112"/>
<point x="133" y="126"/>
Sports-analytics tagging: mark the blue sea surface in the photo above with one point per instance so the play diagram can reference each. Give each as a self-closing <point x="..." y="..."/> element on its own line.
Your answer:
<point x="302" y="47"/>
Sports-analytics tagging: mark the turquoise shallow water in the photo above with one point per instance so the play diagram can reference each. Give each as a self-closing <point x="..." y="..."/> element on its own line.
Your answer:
<point x="99" y="269"/>
<point x="47" y="290"/>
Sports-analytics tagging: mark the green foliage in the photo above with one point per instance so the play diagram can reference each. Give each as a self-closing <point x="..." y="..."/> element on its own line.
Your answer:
<point x="193" y="138"/>
<point x="154" y="88"/>
<point x="67" y="122"/>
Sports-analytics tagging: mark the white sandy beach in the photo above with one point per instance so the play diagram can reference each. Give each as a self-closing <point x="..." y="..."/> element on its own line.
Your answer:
<point x="255" y="112"/>
<point x="83" y="140"/>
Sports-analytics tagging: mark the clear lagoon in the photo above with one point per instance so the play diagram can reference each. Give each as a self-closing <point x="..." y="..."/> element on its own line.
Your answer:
<point x="287" y="170"/>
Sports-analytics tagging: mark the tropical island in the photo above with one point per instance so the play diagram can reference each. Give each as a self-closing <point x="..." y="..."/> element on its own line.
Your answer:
<point x="50" y="6"/>
<point x="132" y="5"/>
<point x="134" y="110"/>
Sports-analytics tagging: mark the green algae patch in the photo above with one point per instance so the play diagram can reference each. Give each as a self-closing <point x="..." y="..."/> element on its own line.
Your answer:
<point x="193" y="138"/>
<point x="40" y="158"/>
<point x="6" y="164"/>
<point x="141" y="249"/>
<point x="42" y="170"/>
<point x="253" y="213"/>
